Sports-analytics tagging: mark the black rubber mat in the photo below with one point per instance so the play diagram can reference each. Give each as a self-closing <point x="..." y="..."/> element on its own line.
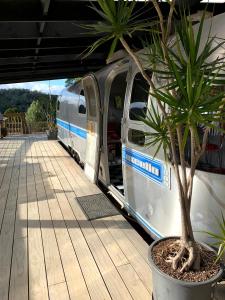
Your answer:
<point x="97" y="206"/>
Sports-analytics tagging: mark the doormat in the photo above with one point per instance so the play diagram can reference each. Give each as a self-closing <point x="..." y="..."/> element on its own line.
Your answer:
<point x="97" y="206"/>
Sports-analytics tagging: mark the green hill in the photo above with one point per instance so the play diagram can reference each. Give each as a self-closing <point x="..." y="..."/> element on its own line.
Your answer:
<point x="21" y="99"/>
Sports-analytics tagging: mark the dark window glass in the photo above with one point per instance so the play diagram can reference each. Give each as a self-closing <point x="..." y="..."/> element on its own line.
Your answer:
<point x="58" y="105"/>
<point x="82" y="103"/>
<point x="139" y="98"/>
<point x="136" y="137"/>
<point x="117" y="91"/>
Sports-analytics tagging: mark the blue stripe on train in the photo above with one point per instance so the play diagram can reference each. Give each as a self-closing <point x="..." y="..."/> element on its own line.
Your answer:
<point x="143" y="221"/>
<point x="72" y="128"/>
<point x="147" y="166"/>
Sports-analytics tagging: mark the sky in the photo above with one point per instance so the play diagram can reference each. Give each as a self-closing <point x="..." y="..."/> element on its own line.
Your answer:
<point x="56" y="86"/>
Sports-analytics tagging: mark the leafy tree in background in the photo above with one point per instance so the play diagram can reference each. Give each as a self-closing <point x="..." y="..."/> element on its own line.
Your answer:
<point x="35" y="112"/>
<point x="42" y="110"/>
<point x="11" y="110"/>
<point x="69" y="82"/>
<point x="48" y="107"/>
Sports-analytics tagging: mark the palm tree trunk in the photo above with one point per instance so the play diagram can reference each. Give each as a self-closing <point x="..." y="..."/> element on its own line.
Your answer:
<point x="137" y="62"/>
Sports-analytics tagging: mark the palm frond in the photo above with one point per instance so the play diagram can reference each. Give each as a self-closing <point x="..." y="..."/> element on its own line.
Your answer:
<point x="157" y="136"/>
<point x="118" y="19"/>
<point x="220" y="237"/>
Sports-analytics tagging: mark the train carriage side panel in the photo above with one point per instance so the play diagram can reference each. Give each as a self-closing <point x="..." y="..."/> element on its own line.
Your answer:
<point x="62" y="119"/>
<point x="71" y="120"/>
<point x="78" y="121"/>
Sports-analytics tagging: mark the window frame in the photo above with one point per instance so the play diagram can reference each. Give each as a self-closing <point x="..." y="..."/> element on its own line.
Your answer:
<point x="79" y="101"/>
<point x="129" y="102"/>
<point x="58" y="103"/>
<point x="129" y="136"/>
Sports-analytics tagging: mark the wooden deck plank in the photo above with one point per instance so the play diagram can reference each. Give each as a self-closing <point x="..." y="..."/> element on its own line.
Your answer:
<point x="133" y="282"/>
<point x="89" y="232"/>
<point x="37" y="273"/>
<point x="53" y="251"/>
<point x="59" y="292"/>
<point x="82" y="184"/>
<point x="4" y="158"/>
<point x="102" y="257"/>
<point x="140" y="265"/>
<point x="21" y="211"/>
<point x="107" y="239"/>
<point x="73" y="274"/>
<point x="111" y="276"/>
<point x="128" y="274"/>
<point x="5" y="184"/>
<point x="133" y="236"/>
<point x="76" y="284"/>
<point x="19" y="269"/>
<point x="8" y="222"/>
<point x="90" y="271"/>
<point x="53" y="263"/>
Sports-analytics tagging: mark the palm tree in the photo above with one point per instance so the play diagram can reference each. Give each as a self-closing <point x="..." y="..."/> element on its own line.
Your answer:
<point x="185" y="100"/>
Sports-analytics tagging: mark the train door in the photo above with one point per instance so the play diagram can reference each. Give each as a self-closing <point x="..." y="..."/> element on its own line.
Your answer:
<point x="146" y="176"/>
<point x="93" y="127"/>
<point x="134" y="138"/>
<point x="118" y="84"/>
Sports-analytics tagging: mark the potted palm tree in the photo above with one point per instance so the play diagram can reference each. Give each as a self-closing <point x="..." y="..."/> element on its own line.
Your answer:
<point x="52" y="131"/>
<point x="187" y="67"/>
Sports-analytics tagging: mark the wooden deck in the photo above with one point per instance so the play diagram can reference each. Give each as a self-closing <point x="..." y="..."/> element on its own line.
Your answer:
<point x="48" y="249"/>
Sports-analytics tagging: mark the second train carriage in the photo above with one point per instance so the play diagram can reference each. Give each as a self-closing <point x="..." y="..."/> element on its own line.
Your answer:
<point x="98" y="121"/>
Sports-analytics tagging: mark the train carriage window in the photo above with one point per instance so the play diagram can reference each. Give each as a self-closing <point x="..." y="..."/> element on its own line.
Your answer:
<point x="117" y="96"/>
<point x="136" y="137"/>
<point x="82" y="104"/>
<point x="139" y="98"/>
<point x="58" y="105"/>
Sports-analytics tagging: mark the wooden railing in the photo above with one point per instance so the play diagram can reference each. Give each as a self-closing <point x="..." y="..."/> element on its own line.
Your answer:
<point x="16" y="123"/>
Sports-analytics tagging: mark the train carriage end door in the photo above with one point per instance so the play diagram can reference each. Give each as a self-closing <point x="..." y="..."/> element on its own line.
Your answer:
<point x="93" y="127"/>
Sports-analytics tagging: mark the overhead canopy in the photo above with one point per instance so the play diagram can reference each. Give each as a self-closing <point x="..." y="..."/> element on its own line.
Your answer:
<point x="42" y="39"/>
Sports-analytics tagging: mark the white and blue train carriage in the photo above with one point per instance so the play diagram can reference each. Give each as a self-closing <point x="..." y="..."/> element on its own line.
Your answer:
<point x="72" y="120"/>
<point x="98" y="121"/>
